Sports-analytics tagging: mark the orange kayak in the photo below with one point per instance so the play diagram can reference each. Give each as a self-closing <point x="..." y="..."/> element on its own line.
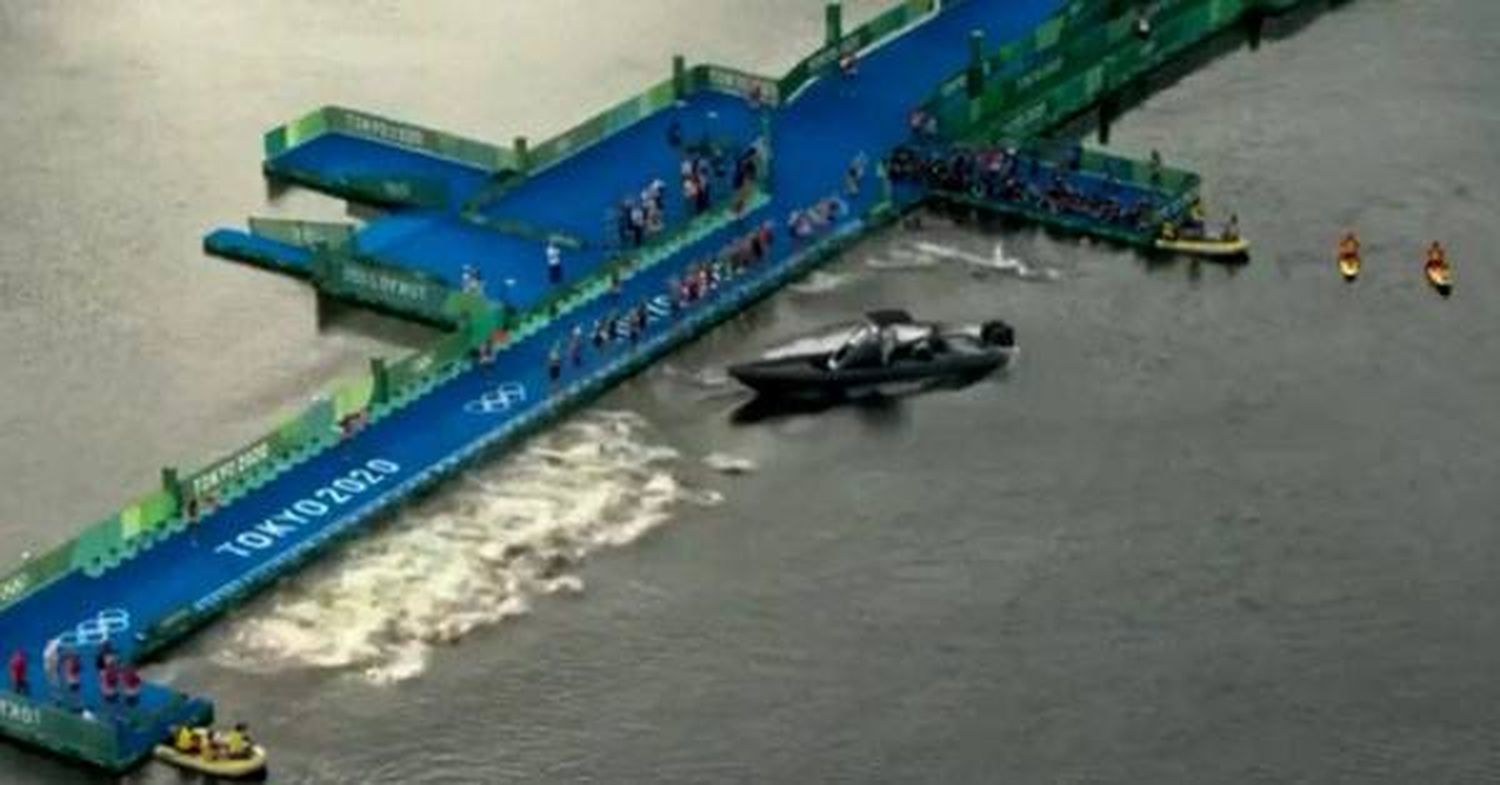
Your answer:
<point x="1349" y="267"/>
<point x="1441" y="278"/>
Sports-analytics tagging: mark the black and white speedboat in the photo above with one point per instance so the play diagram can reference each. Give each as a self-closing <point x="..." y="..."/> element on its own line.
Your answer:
<point x="888" y="352"/>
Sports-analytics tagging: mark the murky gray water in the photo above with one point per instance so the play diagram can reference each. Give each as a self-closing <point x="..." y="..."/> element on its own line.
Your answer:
<point x="1216" y="526"/>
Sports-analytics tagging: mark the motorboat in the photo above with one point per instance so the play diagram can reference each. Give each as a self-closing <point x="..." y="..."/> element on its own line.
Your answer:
<point x="886" y="352"/>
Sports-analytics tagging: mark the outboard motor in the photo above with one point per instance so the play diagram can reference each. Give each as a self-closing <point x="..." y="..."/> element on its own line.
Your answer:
<point x="997" y="333"/>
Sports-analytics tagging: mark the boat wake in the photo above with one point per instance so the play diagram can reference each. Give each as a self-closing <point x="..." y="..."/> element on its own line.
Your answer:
<point x="471" y="556"/>
<point x="724" y="463"/>
<point x="997" y="261"/>
<point x="706" y="378"/>
<point x="899" y="258"/>
<point x="821" y="282"/>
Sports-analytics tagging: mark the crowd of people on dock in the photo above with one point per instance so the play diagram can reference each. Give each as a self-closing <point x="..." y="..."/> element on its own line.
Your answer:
<point x="706" y="170"/>
<point x="697" y="283"/>
<point x="815" y="219"/>
<point x="62" y="668"/>
<point x="1009" y="175"/>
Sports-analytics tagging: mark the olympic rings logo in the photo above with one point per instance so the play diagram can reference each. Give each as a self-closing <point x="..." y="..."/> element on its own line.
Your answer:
<point x="499" y="400"/>
<point x="92" y="632"/>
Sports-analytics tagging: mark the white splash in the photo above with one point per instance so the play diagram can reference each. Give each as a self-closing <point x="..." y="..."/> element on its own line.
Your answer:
<point x="471" y="556"/>
<point x="728" y="464"/>
<point x="707" y="378"/>
<point x="820" y="282"/>
<point x="998" y="260"/>
<point x="905" y="259"/>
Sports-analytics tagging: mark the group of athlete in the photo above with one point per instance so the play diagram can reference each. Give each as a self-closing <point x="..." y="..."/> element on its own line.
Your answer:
<point x="209" y="744"/>
<point x="807" y="222"/>
<point x="697" y="282"/>
<point x="703" y="169"/>
<point x="1009" y="175"/>
<point x="62" y="667"/>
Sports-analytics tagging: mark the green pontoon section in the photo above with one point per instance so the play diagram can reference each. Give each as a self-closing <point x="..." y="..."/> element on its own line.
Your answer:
<point x="115" y="741"/>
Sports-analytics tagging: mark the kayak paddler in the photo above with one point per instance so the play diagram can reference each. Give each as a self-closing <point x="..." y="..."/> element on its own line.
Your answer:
<point x="1437" y="258"/>
<point x="1348" y="246"/>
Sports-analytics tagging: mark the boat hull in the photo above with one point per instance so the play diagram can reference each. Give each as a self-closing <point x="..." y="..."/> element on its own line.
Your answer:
<point x="1349" y="267"/>
<point x="1441" y="279"/>
<point x="221" y="768"/>
<point x="1237" y="248"/>
<point x="803" y="378"/>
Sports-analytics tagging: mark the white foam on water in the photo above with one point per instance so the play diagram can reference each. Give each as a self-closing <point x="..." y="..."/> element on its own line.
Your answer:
<point x="475" y="554"/>
<point x="997" y="261"/>
<point x="708" y="378"/>
<point x="820" y="282"/>
<point x="905" y="259"/>
<point x="728" y="464"/>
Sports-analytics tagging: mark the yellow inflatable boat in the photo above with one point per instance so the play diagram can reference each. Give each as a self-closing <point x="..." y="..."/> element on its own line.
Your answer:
<point x="1349" y="267"/>
<point x="1205" y="246"/>
<point x="1441" y="278"/>
<point x="217" y="766"/>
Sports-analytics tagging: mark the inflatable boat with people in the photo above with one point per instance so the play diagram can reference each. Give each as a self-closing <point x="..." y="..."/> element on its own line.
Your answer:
<point x="231" y="755"/>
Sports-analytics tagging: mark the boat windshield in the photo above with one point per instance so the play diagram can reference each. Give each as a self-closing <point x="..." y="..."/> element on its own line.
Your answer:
<point x="825" y="341"/>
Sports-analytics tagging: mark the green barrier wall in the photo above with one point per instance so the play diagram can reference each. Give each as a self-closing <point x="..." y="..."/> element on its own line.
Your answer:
<point x="46" y="725"/>
<point x="723" y="79"/>
<point x="400" y="289"/>
<point x="305" y="234"/>
<point x="35" y="573"/>
<point x="601" y="125"/>
<point x="524" y="229"/>
<point x="351" y="122"/>
<point x="211" y="481"/>
<point x="891" y="21"/>
<point x="1068" y="63"/>
<point x="408" y="191"/>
